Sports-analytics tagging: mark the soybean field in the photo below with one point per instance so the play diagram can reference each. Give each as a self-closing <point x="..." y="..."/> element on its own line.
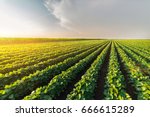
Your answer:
<point x="74" y="69"/>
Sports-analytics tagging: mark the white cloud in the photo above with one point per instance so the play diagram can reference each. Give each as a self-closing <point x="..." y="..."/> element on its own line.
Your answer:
<point x="56" y="7"/>
<point x="76" y="14"/>
<point x="106" y="17"/>
<point x="75" y="18"/>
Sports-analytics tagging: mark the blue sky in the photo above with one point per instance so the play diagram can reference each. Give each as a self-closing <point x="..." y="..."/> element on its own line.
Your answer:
<point x="75" y="18"/>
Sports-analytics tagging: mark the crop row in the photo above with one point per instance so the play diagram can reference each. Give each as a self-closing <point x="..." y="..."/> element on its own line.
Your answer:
<point x="22" y="72"/>
<point x="59" y="82"/>
<point x="34" y="59"/>
<point x="139" y="52"/>
<point x="85" y="88"/>
<point x="115" y="87"/>
<point x="18" y="53"/>
<point x="144" y="65"/>
<point x="22" y="87"/>
<point x="136" y="79"/>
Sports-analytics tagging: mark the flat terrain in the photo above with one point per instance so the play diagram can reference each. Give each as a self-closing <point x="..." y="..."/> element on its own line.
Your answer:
<point x="74" y="69"/>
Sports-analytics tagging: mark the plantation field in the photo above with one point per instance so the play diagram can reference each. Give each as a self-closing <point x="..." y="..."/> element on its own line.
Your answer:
<point x="74" y="69"/>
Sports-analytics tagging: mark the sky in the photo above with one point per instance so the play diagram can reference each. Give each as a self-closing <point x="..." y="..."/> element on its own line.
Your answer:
<point x="75" y="18"/>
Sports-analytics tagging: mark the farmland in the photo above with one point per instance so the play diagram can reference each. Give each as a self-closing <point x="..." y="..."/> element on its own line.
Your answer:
<point x="74" y="69"/>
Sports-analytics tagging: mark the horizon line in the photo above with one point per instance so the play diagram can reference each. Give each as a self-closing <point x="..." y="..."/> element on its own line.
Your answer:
<point x="68" y="38"/>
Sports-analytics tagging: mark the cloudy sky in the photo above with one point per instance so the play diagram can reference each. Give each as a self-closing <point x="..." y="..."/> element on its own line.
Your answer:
<point x="75" y="18"/>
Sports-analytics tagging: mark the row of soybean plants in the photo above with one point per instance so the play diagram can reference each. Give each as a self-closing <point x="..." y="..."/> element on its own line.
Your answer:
<point x="114" y="83"/>
<point x="36" y="52"/>
<point x="27" y="84"/>
<point x="136" y="51"/>
<point x="22" y="72"/>
<point x="9" y="52"/>
<point x="136" y="78"/>
<point x="85" y="88"/>
<point x="59" y="83"/>
<point x="115" y="87"/>
<point x="141" y="45"/>
<point x="139" y="52"/>
<point x="20" y="61"/>
<point x="15" y="52"/>
<point x="36" y="58"/>
<point x="142" y="49"/>
<point x="55" y="54"/>
<point x="12" y="52"/>
<point x="144" y="64"/>
<point x="45" y="58"/>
